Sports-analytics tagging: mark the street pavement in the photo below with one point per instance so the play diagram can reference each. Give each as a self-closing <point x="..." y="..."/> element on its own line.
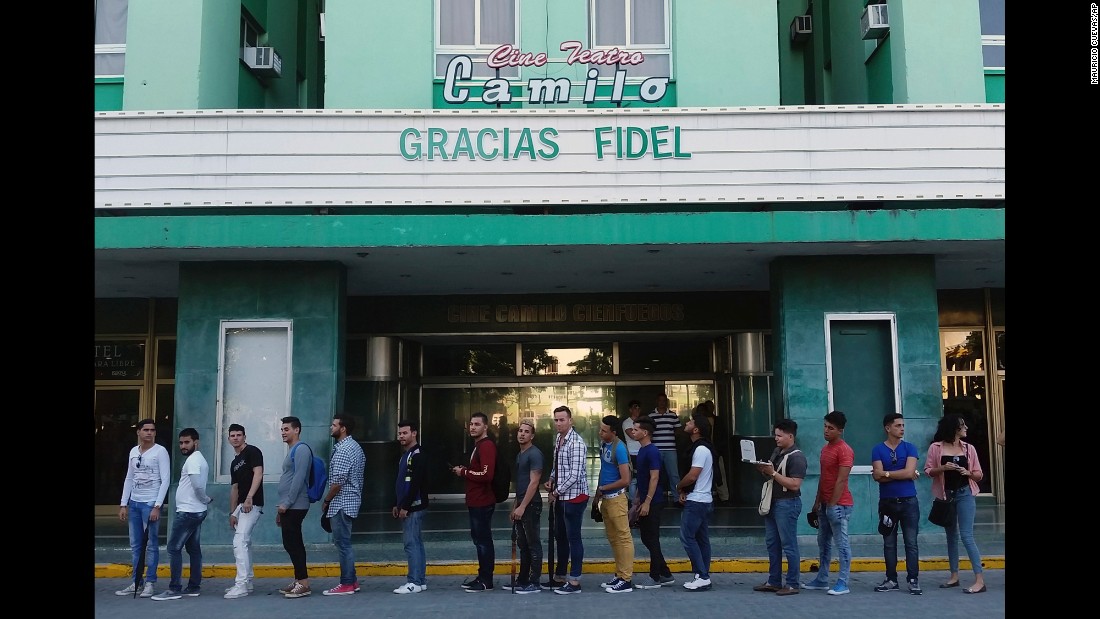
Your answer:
<point x="731" y="596"/>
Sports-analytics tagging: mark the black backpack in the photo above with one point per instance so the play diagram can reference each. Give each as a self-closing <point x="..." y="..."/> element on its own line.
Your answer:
<point x="502" y="472"/>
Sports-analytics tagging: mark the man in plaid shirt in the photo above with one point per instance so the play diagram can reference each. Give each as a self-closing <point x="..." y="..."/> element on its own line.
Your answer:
<point x="345" y="493"/>
<point x="568" y="486"/>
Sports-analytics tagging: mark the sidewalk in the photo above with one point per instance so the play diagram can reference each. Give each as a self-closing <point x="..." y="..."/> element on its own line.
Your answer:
<point x="731" y="594"/>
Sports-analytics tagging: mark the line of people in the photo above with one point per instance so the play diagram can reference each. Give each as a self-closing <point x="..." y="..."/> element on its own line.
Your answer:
<point x="628" y="493"/>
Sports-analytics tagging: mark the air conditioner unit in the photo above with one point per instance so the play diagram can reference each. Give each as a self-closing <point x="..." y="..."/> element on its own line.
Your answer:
<point x="874" y="23"/>
<point x="263" y="61"/>
<point x="801" y="28"/>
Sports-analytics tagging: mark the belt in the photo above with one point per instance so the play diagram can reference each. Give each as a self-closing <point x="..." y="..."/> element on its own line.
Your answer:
<point x="614" y="494"/>
<point x="901" y="499"/>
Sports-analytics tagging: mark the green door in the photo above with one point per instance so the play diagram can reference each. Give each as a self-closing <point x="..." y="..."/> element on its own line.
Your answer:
<point x="862" y="380"/>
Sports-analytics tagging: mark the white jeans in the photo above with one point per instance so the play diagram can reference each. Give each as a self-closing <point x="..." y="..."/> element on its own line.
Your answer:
<point x="242" y="544"/>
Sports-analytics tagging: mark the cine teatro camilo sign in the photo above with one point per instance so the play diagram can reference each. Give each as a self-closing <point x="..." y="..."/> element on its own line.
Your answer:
<point x="630" y="142"/>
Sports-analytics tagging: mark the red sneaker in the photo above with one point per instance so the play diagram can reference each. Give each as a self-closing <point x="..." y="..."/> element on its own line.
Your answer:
<point x="343" y="589"/>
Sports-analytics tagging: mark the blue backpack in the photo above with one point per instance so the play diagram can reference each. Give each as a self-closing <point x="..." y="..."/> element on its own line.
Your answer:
<point x="317" y="480"/>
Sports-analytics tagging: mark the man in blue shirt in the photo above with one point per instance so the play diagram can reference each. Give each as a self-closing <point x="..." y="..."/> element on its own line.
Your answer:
<point x="611" y="496"/>
<point x="894" y="467"/>
<point x="650" y="501"/>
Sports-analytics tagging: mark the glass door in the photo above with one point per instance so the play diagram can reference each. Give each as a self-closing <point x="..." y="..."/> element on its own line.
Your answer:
<point x="116" y="410"/>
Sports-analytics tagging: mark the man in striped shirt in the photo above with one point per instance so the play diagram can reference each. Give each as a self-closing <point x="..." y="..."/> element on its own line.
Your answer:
<point x="345" y="494"/>
<point x="664" y="438"/>
<point x="568" y="486"/>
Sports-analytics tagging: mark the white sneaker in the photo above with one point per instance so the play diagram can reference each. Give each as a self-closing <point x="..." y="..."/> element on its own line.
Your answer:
<point x="147" y="592"/>
<point x="236" y="591"/>
<point x="410" y="587"/>
<point x="127" y="591"/>
<point x="699" y="584"/>
<point x="248" y="585"/>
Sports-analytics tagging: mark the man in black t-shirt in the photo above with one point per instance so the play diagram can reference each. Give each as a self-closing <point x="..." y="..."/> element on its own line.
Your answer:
<point x="246" y="502"/>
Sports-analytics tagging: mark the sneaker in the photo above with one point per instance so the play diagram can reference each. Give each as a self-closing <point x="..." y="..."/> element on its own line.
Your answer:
<point x="287" y="589"/>
<point x="470" y="583"/>
<point x="667" y="579"/>
<point x="611" y="583"/>
<point x="623" y="586"/>
<point x="517" y="587"/>
<point x="236" y="591"/>
<point x="477" y="587"/>
<point x="568" y="588"/>
<point x="147" y="591"/>
<point x="645" y="582"/>
<point x="816" y="585"/>
<point x="167" y="594"/>
<point x="191" y="592"/>
<point x="787" y="591"/>
<point x="839" y="589"/>
<point x="699" y="584"/>
<point x="341" y="589"/>
<point x="249" y="586"/>
<point x="766" y="587"/>
<point x="887" y="585"/>
<point x="299" y="591"/>
<point x="129" y="590"/>
<point x="553" y="584"/>
<point x="914" y="588"/>
<point x="529" y="588"/>
<point x="410" y="587"/>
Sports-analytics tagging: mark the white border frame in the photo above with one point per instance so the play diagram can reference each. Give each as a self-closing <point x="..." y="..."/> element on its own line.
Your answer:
<point x="875" y="316"/>
<point x="271" y="473"/>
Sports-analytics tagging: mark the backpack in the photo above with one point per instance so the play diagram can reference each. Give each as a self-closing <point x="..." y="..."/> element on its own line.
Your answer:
<point x="317" y="480"/>
<point x="502" y="474"/>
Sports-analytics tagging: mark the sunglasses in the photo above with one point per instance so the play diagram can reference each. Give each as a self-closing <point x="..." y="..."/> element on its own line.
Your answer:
<point x="893" y="457"/>
<point x="139" y="462"/>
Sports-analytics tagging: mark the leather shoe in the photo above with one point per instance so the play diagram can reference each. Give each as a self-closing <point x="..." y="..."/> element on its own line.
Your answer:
<point x="787" y="591"/>
<point x="766" y="587"/>
<point x="948" y="585"/>
<point x="982" y="590"/>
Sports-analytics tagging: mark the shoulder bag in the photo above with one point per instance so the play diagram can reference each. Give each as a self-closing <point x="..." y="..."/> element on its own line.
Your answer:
<point x="765" y="506"/>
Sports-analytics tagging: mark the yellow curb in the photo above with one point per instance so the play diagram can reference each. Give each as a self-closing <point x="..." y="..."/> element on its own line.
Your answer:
<point x="503" y="568"/>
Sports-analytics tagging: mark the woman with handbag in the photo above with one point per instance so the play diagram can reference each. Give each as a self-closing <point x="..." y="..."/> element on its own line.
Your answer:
<point x="953" y="466"/>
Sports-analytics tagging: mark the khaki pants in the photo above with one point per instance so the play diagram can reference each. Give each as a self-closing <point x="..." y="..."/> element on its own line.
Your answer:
<point x="617" y="527"/>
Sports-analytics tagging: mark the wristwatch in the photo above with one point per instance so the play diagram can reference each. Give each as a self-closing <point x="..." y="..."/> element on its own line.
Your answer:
<point x="887" y="474"/>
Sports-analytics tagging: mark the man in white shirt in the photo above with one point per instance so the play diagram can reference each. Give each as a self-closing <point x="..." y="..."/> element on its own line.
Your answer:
<point x="148" y="475"/>
<point x="191" y="502"/>
<point x="695" y="494"/>
<point x="632" y="446"/>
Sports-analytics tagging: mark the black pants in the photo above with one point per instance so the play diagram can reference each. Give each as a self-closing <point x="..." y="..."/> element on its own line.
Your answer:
<point x="529" y="545"/>
<point x="650" y="529"/>
<point x="291" y="524"/>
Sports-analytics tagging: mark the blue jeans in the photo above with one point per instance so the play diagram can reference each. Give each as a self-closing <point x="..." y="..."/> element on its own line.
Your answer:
<point x="670" y="471"/>
<point x="906" y="511"/>
<point x="781" y="538"/>
<point x="833" y="527"/>
<point x="695" y="536"/>
<point x="184" y="533"/>
<point x="567" y="531"/>
<point x="414" y="548"/>
<point x="481" y="531"/>
<point x="965" y="507"/>
<point x="341" y="538"/>
<point x="138" y="516"/>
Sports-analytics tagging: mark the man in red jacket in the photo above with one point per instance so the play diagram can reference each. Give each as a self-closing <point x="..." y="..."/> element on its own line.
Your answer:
<point x="480" y="500"/>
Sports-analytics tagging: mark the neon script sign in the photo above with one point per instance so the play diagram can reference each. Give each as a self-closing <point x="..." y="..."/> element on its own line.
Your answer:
<point x="546" y="90"/>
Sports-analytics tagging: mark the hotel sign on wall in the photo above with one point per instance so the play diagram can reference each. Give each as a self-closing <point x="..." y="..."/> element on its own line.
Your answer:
<point x="489" y="143"/>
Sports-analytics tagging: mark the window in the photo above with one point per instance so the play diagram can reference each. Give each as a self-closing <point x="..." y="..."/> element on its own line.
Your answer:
<point x="474" y="28"/>
<point x="250" y="33"/>
<point x="636" y="25"/>
<point x="993" y="33"/>
<point x="110" y="37"/>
